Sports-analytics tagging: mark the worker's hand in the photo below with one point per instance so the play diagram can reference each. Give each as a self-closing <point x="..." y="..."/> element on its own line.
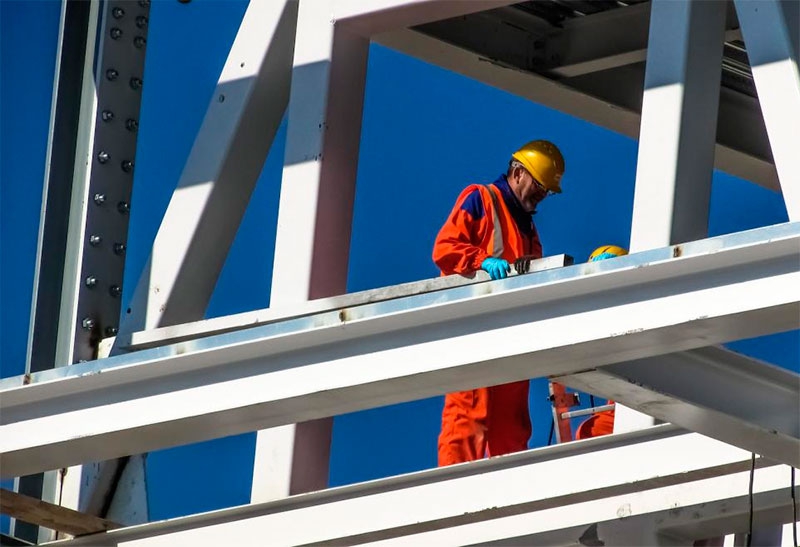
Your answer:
<point x="497" y="268"/>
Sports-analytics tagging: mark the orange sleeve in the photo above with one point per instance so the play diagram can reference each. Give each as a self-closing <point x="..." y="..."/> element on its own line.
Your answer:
<point x="457" y="248"/>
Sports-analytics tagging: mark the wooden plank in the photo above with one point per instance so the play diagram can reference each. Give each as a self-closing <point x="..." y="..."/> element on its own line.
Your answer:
<point x="49" y="515"/>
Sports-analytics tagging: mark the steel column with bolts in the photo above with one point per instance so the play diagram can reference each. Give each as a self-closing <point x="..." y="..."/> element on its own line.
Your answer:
<point x="247" y="67"/>
<point x="93" y="488"/>
<point x="97" y="95"/>
<point x="677" y="135"/>
<point x="536" y="497"/>
<point x="771" y="31"/>
<point x="255" y="61"/>
<point x="585" y="316"/>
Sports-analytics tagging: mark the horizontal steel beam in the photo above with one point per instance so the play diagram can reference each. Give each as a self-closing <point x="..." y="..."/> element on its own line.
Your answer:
<point x="219" y="325"/>
<point x="311" y="367"/>
<point x="547" y="323"/>
<point x="583" y="103"/>
<point x="604" y="40"/>
<point x="552" y="489"/>
<point x="368" y="18"/>
<point x="731" y="397"/>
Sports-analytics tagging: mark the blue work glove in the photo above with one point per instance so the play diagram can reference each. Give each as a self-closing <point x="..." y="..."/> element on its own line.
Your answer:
<point x="603" y="256"/>
<point x="497" y="268"/>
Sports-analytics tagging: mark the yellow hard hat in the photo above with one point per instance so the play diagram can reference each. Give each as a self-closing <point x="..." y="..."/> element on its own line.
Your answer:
<point x="606" y="251"/>
<point x="544" y="161"/>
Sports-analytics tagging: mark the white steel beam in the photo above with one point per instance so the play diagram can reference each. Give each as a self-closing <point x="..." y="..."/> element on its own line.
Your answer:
<point x="603" y="40"/>
<point x="555" y="489"/>
<point x="586" y="48"/>
<point x="314" y="219"/>
<point x="376" y="16"/>
<point x="671" y="516"/>
<point x="678" y="134"/>
<point x="672" y="299"/>
<point x="771" y="30"/>
<point x="713" y="391"/>
<point x="245" y="320"/>
<point x="595" y="42"/>
<point x="227" y="157"/>
<point x="558" y="96"/>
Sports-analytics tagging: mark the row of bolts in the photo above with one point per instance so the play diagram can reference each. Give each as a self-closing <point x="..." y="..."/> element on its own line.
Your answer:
<point x="103" y="157"/>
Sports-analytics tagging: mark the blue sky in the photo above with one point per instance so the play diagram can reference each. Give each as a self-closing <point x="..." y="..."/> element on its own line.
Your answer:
<point x="426" y="134"/>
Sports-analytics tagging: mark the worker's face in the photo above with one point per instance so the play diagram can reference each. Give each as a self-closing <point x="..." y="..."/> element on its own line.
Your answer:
<point x="528" y="190"/>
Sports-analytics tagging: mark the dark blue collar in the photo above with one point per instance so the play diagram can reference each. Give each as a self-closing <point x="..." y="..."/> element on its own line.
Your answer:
<point x="521" y="217"/>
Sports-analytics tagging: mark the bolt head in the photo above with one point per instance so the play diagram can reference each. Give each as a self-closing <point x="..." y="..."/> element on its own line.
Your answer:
<point x="91" y="281"/>
<point x="119" y="248"/>
<point x="103" y="156"/>
<point x="139" y="42"/>
<point x="141" y="21"/>
<point x="116" y="33"/>
<point x="115" y="290"/>
<point x="136" y="83"/>
<point x="111" y="331"/>
<point x="127" y="166"/>
<point x="123" y="207"/>
<point x="87" y="323"/>
<point x="112" y="74"/>
<point x="107" y="115"/>
<point x="99" y="199"/>
<point x="131" y="124"/>
<point x="118" y="13"/>
<point x="95" y="240"/>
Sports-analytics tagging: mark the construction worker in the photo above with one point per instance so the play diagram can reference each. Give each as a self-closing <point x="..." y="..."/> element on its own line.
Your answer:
<point x="490" y="226"/>
<point x="600" y="423"/>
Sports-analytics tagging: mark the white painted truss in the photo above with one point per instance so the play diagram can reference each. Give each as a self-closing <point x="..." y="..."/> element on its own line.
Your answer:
<point x="646" y="485"/>
<point x="640" y="329"/>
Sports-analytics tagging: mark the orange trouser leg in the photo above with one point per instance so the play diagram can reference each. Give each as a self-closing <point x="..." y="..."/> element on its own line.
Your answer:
<point x="509" y="418"/>
<point x="463" y="436"/>
<point x="492" y="420"/>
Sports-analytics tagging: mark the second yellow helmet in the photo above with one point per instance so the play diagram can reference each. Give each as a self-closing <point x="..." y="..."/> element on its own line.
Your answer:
<point x="544" y="161"/>
<point x="606" y="251"/>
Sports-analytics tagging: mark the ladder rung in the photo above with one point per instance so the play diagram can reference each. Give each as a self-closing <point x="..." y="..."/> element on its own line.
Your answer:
<point x="585" y="411"/>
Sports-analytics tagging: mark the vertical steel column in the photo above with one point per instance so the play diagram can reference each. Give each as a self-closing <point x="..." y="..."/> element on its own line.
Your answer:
<point x="771" y="30"/>
<point x="100" y="229"/>
<point x="677" y="134"/>
<point x="107" y="164"/>
<point x="75" y="39"/>
<point x="88" y="182"/>
<point x="314" y="219"/>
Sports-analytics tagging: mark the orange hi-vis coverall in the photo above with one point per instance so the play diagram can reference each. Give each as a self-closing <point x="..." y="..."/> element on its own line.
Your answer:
<point x="601" y="423"/>
<point x="494" y="420"/>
